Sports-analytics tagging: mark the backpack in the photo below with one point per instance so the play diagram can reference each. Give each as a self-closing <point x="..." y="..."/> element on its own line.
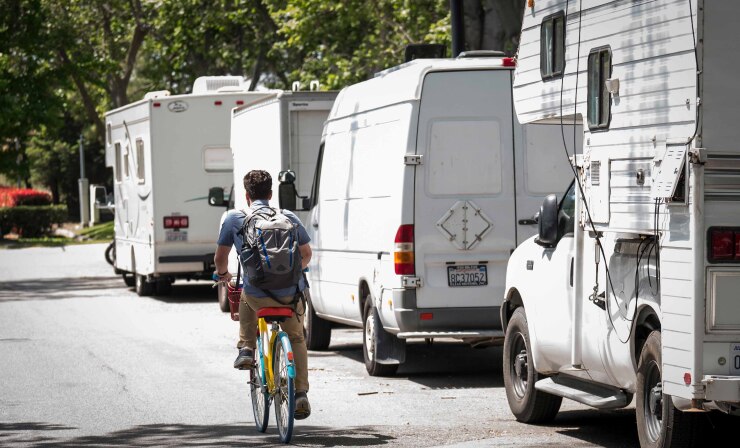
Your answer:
<point x="269" y="255"/>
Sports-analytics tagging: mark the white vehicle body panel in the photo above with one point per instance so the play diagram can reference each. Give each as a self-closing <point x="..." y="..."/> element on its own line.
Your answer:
<point x="665" y="103"/>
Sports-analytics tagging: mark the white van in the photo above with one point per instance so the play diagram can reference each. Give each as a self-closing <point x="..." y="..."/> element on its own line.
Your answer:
<point x="165" y="151"/>
<point x="425" y="184"/>
<point x="277" y="133"/>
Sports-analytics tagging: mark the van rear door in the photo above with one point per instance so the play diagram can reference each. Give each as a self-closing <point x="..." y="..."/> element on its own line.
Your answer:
<point x="464" y="212"/>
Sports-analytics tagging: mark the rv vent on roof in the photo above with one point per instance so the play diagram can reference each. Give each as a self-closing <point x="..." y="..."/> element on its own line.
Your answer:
<point x="206" y="84"/>
<point x="156" y="94"/>
<point x="481" y="54"/>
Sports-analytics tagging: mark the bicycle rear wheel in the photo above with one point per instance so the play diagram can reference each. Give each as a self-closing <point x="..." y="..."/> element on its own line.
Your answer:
<point x="259" y="393"/>
<point x="284" y="371"/>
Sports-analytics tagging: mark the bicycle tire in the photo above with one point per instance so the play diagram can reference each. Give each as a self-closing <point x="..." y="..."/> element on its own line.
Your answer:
<point x="260" y="396"/>
<point x="284" y="372"/>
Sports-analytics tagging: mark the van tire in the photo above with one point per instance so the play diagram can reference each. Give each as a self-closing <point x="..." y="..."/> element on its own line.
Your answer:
<point x="143" y="287"/>
<point x="372" y="335"/>
<point x="317" y="330"/>
<point x="673" y="428"/>
<point x="129" y="279"/>
<point x="528" y="404"/>
<point x="223" y="298"/>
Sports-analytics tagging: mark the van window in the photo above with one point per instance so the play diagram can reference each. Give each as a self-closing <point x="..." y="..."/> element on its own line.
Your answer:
<point x="317" y="178"/>
<point x="218" y="159"/>
<point x="119" y="162"/>
<point x="599" y="99"/>
<point x="464" y="157"/>
<point x="552" y="46"/>
<point x="140" y="160"/>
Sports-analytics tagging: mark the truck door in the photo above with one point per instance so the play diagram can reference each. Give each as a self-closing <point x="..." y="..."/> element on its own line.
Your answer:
<point x="464" y="218"/>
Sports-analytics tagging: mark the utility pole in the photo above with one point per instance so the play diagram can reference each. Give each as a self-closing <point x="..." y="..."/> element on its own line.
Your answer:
<point x="84" y="188"/>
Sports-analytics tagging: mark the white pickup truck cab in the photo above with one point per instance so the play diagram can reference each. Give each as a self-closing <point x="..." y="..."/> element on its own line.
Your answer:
<point x="631" y="287"/>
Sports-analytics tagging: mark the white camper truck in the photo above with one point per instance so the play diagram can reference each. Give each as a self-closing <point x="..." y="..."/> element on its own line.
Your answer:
<point x="165" y="151"/>
<point x="424" y="186"/>
<point x="280" y="132"/>
<point x="632" y="286"/>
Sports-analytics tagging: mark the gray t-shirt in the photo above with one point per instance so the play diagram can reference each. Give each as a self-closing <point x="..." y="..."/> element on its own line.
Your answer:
<point x="229" y="236"/>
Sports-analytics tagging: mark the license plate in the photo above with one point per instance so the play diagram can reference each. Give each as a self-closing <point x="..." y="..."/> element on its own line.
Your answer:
<point x="179" y="235"/>
<point x="467" y="275"/>
<point x="735" y="359"/>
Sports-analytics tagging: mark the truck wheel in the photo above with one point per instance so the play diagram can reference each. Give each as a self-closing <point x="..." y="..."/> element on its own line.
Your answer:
<point x="371" y="339"/>
<point x="163" y="286"/>
<point x="143" y="287"/>
<point x="528" y="404"/>
<point x="129" y="279"/>
<point x="659" y="423"/>
<point x="223" y="298"/>
<point x="316" y="329"/>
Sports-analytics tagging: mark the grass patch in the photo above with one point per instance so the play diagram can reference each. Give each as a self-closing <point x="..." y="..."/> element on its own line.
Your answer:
<point x="100" y="232"/>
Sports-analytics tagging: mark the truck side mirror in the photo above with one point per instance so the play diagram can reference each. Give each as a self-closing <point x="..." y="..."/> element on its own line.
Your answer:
<point x="216" y="197"/>
<point x="548" y="222"/>
<point x="287" y="193"/>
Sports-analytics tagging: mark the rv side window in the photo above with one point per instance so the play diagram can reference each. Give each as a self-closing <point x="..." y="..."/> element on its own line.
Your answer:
<point x="140" y="160"/>
<point x="119" y="161"/>
<point x="599" y="99"/>
<point x="552" y="46"/>
<point x="317" y="178"/>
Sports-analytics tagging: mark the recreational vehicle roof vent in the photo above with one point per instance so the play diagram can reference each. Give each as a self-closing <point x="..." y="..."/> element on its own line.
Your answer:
<point x="481" y="54"/>
<point x="156" y="94"/>
<point x="206" y="84"/>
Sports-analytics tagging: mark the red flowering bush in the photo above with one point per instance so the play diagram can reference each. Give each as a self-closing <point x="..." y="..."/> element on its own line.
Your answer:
<point x="12" y="197"/>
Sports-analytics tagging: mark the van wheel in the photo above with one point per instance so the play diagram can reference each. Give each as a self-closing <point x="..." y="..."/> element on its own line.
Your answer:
<point x="223" y="298"/>
<point x="372" y="338"/>
<point x="143" y="287"/>
<point x="316" y="329"/>
<point x="528" y="404"/>
<point x="129" y="279"/>
<point x="659" y="423"/>
<point x="163" y="286"/>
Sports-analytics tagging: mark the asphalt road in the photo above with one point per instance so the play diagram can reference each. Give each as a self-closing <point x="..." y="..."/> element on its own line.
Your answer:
<point x="84" y="361"/>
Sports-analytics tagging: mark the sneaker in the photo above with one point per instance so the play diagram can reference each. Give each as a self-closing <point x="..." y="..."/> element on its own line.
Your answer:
<point x="245" y="359"/>
<point x="302" y="407"/>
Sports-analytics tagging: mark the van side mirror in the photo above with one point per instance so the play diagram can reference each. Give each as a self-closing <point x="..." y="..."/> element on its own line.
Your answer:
<point x="548" y="222"/>
<point x="216" y="197"/>
<point x="287" y="193"/>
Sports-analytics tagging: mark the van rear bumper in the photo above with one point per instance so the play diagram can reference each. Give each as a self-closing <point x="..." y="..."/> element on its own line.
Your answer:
<point x="443" y="320"/>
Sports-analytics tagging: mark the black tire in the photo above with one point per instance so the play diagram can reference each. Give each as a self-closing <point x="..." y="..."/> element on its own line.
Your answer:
<point x="259" y="395"/>
<point x="223" y="297"/>
<point x="143" y="287"/>
<point x="316" y="329"/>
<point x="163" y="286"/>
<point x="129" y="279"/>
<point x="528" y="404"/>
<point x="285" y="385"/>
<point x="110" y="254"/>
<point x="667" y="427"/>
<point x="370" y="339"/>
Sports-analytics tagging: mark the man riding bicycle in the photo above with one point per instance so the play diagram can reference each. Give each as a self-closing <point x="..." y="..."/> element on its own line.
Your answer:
<point x="258" y="186"/>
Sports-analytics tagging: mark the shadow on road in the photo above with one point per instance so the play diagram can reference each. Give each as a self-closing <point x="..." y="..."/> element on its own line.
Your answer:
<point x="46" y="435"/>
<point x="57" y="288"/>
<point x="187" y="292"/>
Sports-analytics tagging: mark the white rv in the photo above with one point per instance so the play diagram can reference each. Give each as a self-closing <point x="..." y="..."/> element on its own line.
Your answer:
<point x="280" y="132"/>
<point x="632" y="286"/>
<point x="165" y="151"/>
<point x="425" y="184"/>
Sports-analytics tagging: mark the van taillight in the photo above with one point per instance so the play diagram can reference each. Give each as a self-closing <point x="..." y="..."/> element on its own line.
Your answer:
<point x="403" y="257"/>
<point x="176" y="222"/>
<point x="724" y="244"/>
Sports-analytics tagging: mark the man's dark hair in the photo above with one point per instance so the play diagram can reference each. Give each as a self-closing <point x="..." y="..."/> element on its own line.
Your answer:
<point x="258" y="184"/>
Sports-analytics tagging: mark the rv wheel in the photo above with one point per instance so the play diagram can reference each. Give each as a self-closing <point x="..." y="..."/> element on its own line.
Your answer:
<point x="374" y="340"/>
<point x="528" y="404"/>
<point x="143" y="287"/>
<point x="316" y="329"/>
<point x="659" y="423"/>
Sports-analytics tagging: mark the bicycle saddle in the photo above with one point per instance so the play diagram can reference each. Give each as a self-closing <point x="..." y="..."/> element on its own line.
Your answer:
<point x="276" y="314"/>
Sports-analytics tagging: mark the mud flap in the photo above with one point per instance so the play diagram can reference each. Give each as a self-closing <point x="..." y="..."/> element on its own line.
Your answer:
<point x="388" y="349"/>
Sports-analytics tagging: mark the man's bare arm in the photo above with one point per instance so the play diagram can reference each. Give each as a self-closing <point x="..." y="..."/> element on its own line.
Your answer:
<point x="306" y="253"/>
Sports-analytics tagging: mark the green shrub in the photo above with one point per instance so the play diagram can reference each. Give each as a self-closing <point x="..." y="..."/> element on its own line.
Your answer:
<point x="31" y="220"/>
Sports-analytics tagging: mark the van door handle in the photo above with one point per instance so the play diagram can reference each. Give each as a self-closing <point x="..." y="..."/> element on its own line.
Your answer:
<point x="527" y="222"/>
<point x="315" y="224"/>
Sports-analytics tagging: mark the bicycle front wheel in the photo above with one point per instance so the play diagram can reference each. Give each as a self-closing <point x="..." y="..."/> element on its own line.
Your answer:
<point x="260" y="395"/>
<point x="284" y="371"/>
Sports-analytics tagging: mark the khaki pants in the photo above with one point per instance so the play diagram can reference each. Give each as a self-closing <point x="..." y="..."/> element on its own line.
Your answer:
<point x="248" y="307"/>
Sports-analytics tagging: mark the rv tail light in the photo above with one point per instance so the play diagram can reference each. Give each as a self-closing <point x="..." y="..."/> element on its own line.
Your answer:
<point x="403" y="257"/>
<point x="218" y="102"/>
<point x="724" y="244"/>
<point x="426" y="316"/>
<point x="239" y="102"/>
<point x="509" y="62"/>
<point x="156" y="104"/>
<point x="176" y="222"/>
